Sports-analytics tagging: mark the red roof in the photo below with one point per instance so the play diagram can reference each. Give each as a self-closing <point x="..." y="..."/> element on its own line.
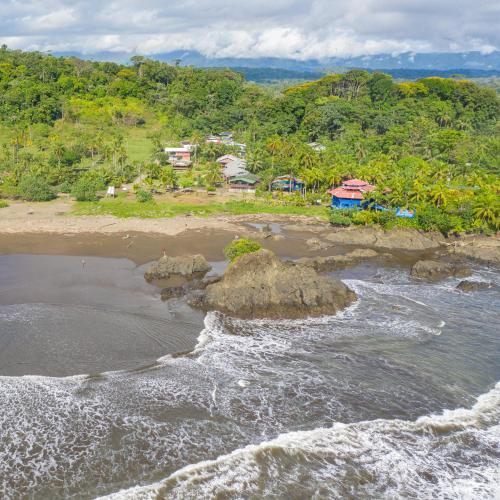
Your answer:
<point x="346" y="194"/>
<point x="355" y="183"/>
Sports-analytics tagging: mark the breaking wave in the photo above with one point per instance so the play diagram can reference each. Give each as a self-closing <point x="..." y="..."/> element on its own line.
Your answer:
<point x="452" y="455"/>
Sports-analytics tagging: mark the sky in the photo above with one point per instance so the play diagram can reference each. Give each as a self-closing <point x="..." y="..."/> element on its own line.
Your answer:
<point x="300" y="29"/>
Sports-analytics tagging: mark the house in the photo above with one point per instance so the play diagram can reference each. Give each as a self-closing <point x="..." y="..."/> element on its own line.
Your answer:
<point x="178" y="154"/>
<point x="246" y="182"/>
<point x="189" y="146"/>
<point x="213" y="139"/>
<point x="351" y="194"/>
<point x="226" y="138"/>
<point x="179" y="158"/>
<point x="316" y="146"/>
<point x="287" y="183"/>
<point x="234" y="169"/>
<point x="224" y="160"/>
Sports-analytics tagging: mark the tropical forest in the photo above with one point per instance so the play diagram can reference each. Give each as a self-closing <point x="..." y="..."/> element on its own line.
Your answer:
<point x="74" y="127"/>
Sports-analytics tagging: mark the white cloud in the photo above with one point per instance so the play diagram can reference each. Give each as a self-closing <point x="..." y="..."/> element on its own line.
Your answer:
<point x="252" y="28"/>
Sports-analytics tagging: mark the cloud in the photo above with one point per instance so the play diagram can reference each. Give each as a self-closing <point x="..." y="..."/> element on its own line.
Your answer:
<point x="252" y="28"/>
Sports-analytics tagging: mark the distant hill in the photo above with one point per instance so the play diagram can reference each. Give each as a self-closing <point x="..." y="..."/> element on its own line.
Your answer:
<point x="436" y="61"/>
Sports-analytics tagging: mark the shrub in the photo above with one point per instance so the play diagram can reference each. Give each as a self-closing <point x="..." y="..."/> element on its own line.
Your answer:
<point x="3" y="204"/>
<point x="339" y="219"/>
<point x="35" y="188"/>
<point x="65" y="187"/>
<point x="211" y="189"/>
<point x="434" y="219"/>
<point x="240" y="247"/>
<point x="85" y="190"/>
<point x="144" y="196"/>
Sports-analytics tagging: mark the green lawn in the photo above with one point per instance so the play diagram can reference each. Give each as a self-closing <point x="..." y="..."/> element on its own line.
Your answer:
<point x="120" y="207"/>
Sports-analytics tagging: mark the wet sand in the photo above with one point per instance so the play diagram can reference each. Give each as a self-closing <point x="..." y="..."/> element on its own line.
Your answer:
<point x="142" y="247"/>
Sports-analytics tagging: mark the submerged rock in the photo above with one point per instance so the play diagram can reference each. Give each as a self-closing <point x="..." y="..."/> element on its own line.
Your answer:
<point x="324" y="264"/>
<point x="260" y="285"/>
<point x="433" y="270"/>
<point x="188" y="266"/>
<point x="472" y="286"/>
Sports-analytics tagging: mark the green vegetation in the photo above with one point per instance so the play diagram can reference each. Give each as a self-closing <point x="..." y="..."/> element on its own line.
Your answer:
<point x="431" y="144"/>
<point x="240" y="247"/>
<point x="35" y="188"/>
<point x="3" y="204"/>
<point x="144" y="196"/>
<point x="337" y="218"/>
<point x="120" y="207"/>
<point x="85" y="190"/>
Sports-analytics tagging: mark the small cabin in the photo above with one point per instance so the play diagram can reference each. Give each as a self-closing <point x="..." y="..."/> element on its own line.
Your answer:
<point x="245" y="182"/>
<point x="287" y="183"/>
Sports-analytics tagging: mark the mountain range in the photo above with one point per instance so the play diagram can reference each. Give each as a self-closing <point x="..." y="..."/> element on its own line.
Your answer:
<point x="404" y="65"/>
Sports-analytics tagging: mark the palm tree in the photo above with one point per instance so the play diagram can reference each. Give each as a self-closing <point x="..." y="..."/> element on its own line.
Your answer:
<point x="274" y="144"/>
<point x="334" y="176"/>
<point x="213" y="174"/>
<point x="440" y="194"/>
<point x="168" y="177"/>
<point x="254" y="162"/>
<point x="487" y="209"/>
<point x="418" y="193"/>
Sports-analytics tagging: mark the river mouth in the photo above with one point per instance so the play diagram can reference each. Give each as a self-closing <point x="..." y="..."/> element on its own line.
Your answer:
<point x="170" y="404"/>
<point x="68" y="315"/>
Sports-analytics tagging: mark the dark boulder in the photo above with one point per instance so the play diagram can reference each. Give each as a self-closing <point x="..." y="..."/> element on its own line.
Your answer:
<point x="330" y="263"/>
<point x="260" y="285"/>
<point x="187" y="266"/>
<point x="433" y="270"/>
<point x="472" y="286"/>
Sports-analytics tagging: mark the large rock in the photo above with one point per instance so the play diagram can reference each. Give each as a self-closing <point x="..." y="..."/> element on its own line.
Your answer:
<point x="260" y="285"/>
<point x="330" y="263"/>
<point x="187" y="266"/>
<point x="395" y="239"/>
<point x="434" y="270"/>
<point x="482" y="248"/>
<point x="472" y="286"/>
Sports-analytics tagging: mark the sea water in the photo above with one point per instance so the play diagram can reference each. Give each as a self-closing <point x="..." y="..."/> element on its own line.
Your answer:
<point x="397" y="396"/>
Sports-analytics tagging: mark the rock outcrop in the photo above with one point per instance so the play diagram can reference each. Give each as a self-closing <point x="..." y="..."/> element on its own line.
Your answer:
<point x="473" y="286"/>
<point x="483" y="249"/>
<point x="395" y="239"/>
<point x="330" y="263"/>
<point x="187" y="266"/>
<point x="433" y="270"/>
<point x="260" y="285"/>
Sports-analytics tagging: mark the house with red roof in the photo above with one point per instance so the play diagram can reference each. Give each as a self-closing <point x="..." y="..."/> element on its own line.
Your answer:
<point x="351" y="194"/>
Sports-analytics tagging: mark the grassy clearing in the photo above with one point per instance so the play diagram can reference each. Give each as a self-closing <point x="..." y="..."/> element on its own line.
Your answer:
<point x="127" y="208"/>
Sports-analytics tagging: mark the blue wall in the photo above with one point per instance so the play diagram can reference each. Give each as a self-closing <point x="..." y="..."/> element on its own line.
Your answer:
<point x="344" y="202"/>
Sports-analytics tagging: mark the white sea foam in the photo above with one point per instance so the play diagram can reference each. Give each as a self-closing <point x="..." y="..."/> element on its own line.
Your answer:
<point x="390" y="458"/>
<point x="246" y="382"/>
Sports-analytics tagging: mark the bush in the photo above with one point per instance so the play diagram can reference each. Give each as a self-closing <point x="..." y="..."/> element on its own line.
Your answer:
<point x="3" y="204"/>
<point x="85" y="190"/>
<point x="240" y="247"/>
<point x="65" y="187"/>
<point x="35" y="188"/>
<point x="211" y="189"/>
<point x="434" y="219"/>
<point x="144" y="196"/>
<point x="337" y="218"/>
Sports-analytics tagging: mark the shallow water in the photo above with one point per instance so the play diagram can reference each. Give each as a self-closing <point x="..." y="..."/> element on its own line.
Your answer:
<point x="394" y="397"/>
